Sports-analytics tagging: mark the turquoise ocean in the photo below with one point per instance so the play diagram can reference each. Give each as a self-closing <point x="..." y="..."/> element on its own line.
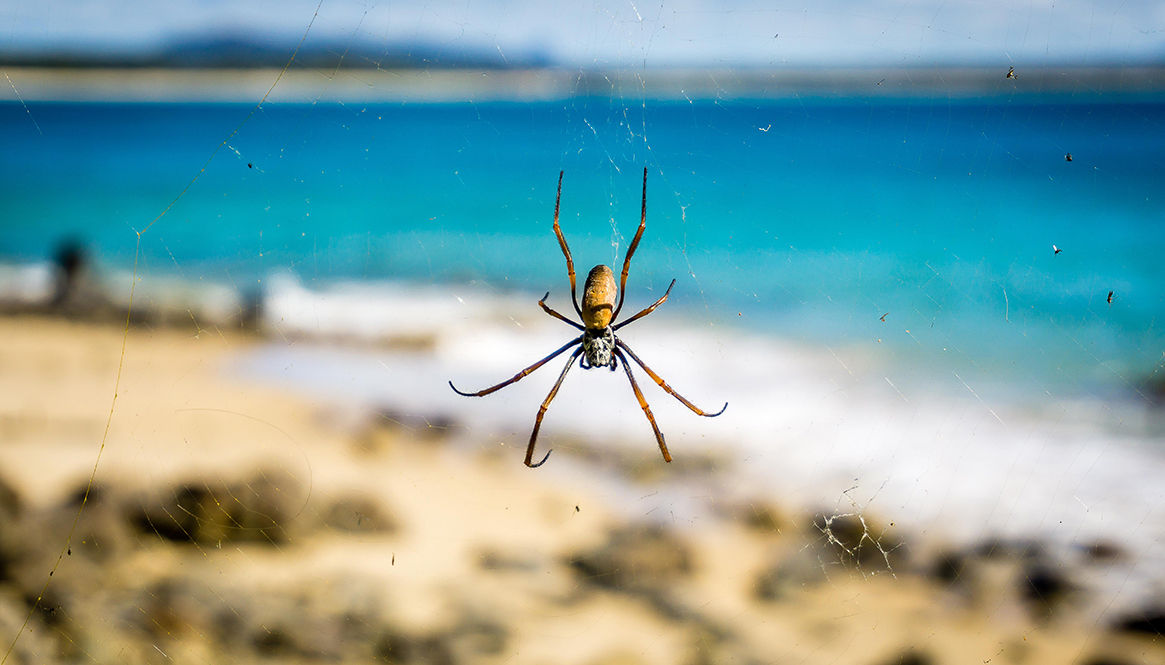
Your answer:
<point x="807" y="218"/>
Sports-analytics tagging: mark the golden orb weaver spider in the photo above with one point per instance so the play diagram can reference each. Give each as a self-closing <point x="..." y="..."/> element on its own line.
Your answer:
<point x="598" y="344"/>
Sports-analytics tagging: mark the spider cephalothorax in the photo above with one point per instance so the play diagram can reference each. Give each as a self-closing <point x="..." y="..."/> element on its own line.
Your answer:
<point x="599" y="349"/>
<point x="598" y="344"/>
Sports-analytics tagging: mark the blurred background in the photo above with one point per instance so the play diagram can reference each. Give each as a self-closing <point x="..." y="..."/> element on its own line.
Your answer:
<point x="245" y="247"/>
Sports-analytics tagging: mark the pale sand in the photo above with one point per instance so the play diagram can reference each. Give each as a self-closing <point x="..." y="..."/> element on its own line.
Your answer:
<point x="372" y="85"/>
<point x="464" y="557"/>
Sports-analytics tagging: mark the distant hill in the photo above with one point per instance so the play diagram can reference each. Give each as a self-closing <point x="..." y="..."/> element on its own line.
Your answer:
<point x="235" y="51"/>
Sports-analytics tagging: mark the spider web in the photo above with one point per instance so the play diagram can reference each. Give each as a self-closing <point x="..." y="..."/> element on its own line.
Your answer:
<point x="943" y="436"/>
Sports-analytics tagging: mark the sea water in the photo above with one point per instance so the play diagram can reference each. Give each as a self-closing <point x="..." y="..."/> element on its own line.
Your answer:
<point x="809" y="218"/>
<point x="870" y="284"/>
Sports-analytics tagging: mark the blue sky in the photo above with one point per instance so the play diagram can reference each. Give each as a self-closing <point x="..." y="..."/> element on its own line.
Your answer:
<point x="632" y="33"/>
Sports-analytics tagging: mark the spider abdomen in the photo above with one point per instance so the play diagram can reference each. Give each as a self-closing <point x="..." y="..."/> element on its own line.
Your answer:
<point x="598" y="302"/>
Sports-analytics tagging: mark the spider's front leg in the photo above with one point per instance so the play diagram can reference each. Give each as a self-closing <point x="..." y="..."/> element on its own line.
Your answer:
<point x="565" y="250"/>
<point x="546" y="308"/>
<point x="520" y="375"/>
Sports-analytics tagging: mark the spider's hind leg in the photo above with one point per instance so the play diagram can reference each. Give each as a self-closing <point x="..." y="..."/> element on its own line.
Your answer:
<point x="646" y="409"/>
<point x="542" y="412"/>
<point x="663" y="384"/>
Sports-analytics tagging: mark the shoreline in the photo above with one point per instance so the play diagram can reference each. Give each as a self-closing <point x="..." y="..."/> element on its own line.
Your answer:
<point x="401" y="313"/>
<point x="365" y="85"/>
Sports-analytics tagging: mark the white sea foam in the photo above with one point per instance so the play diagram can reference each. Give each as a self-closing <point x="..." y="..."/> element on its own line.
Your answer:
<point x="210" y="303"/>
<point x="379" y="311"/>
<point x="813" y="428"/>
<point x="34" y="284"/>
<point x="27" y="283"/>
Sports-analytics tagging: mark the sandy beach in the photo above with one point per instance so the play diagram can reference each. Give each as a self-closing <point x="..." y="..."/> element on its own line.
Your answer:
<point x="376" y="85"/>
<point x="235" y="522"/>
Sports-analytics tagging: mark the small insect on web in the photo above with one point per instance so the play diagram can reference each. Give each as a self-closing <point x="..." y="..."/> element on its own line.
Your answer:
<point x="598" y="344"/>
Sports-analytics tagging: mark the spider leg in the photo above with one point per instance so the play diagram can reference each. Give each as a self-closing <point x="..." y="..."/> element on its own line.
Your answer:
<point x="632" y="248"/>
<point x="542" y="412"/>
<point x="551" y="312"/>
<point x="565" y="249"/>
<point x="521" y="375"/>
<point x="663" y="384"/>
<point x="645" y="407"/>
<point x="648" y="310"/>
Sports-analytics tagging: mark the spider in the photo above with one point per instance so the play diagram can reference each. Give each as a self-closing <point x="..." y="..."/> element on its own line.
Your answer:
<point x="598" y="344"/>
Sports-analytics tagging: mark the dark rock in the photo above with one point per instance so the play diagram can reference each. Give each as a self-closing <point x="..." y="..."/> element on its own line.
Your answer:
<point x="404" y="650"/>
<point x="1103" y="551"/>
<point x="851" y="541"/>
<point x="1006" y="567"/>
<point x="101" y="534"/>
<point x="36" y="643"/>
<point x="47" y="607"/>
<point x="274" y="643"/>
<point x="11" y="540"/>
<point x="72" y="260"/>
<point x="948" y="567"/>
<point x="1012" y="550"/>
<point x="77" y="292"/>
<point x="468" y="642"/>
<point x="85" y="494"/>
<point x="11" y="505"/>
<point x="163" y="609"/>
<point x="227" y="626"/>
<point x="257" y="510"/>
<point x="1153" y="387"/>
<point x="333" y="621"/>
<point x="845" y="541"/>
<point x="636" y="559"/>
<point x="1150" y="621"/>
<point x="512" y="561"/>
<point x="251" y="309"/>
<point x="763" y="518"/>
<point x="1047" y="586"/>
<point x="476" y="638"/>
<point x="799" y="570"/>
<point x="358" y="514"/>
<point x="910" y="657"/>
<point x="52" y="610"/>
